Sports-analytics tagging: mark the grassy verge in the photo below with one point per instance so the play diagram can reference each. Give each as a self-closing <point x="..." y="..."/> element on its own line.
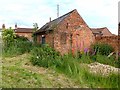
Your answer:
<point x="18" y="72"/>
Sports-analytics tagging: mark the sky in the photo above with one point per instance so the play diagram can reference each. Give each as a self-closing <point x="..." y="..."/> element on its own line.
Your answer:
<point x="96" y="13"/>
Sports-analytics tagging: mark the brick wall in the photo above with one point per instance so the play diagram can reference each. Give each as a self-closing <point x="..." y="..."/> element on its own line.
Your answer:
<point x="112" y="40"/>
<point x="73" y="25"/>
<point x="27" y="35"/>
<point x="39" y="39"/>
<point x="82" y="39"/>
<point x="72" y="33"/>
<point x="48" y="39"/>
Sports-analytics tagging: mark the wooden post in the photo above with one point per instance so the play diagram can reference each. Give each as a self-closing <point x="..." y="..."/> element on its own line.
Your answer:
<point x="116" y="55"/>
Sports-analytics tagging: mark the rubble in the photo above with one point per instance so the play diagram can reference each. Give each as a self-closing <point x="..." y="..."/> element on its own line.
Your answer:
<point x="102" y="69"/>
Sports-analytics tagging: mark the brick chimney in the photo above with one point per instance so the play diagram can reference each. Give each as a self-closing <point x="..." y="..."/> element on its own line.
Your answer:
<point x="15" y="26"/>
<point x="3" y="26"/>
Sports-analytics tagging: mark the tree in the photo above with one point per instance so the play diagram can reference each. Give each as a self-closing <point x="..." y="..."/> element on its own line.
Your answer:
<point x="8" y="36"/>
<point x="35" y="28"/>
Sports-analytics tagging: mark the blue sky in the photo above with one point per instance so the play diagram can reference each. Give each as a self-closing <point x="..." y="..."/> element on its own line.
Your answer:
<point x="96" y="13"/>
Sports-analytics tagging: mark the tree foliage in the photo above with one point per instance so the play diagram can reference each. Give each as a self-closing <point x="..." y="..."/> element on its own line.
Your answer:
<point x="8" y="36"/>
<point x="35" y="28"/>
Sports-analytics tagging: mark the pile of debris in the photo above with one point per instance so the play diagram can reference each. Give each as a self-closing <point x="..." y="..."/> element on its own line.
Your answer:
<point x="102" y="69"/>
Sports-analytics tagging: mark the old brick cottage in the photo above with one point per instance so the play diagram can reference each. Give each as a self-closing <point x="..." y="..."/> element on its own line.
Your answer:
<point x="25" y="32"/>
<point x="66" y="33"/>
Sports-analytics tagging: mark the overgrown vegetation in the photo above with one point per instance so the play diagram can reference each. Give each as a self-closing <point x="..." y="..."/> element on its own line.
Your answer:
<point x="14" y="45"/>
<point x="8" y="36"/>
<point x="102" y="48"/>
<point x="18" y="72"/>
<point x="67" y="64"/>
<point x="44" y="56"/>
<point x="100" y="52"/>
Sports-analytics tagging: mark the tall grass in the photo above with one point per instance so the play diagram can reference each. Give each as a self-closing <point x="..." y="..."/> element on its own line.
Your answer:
<point x="16" y="48"/>
<point x="96" y="81"/>
<point x="102" y="48"/>
<point x="108" y="61"/>
<point x="70" y="66"/>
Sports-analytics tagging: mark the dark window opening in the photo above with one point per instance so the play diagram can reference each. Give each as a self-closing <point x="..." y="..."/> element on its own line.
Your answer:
<point x="43" y="39"/>
<point x="67" y="26"/>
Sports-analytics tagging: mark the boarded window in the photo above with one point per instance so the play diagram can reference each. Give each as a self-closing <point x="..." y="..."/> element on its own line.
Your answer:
<point x="63" y="38"/>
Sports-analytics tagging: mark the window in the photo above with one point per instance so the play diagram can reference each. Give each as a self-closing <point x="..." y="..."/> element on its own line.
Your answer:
<point x="43" y="39"/>
<point x="63" y="38"/>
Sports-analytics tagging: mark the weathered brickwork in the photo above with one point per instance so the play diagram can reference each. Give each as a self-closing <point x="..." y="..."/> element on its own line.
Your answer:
<point x="114" y="41"/>
<point x="48" y="39"/>
<point x="71" y="34"/>
<point x="82" y="39"/>
<point x="27" y="35"/>
<point x="79" y="36"/>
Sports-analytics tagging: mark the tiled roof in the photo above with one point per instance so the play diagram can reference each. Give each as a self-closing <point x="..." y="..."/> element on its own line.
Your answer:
<point x="53" y="23"/>
<point x="24" y="30"/>
<point x="97" y="30"/>
<point x="104" y="31"/>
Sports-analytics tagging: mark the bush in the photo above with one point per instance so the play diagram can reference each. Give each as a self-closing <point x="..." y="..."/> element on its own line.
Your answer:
<point x="14" y="45"/>
<point x="8" y="36"/>
<point x="17" y="48"/>
<point x="43" y="56"/>
<point x="102" y="48"/>
<point x="21" y="38"/>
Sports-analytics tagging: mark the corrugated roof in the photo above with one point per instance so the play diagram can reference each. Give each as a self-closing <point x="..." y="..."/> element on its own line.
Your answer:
<point x="53" y="23"/>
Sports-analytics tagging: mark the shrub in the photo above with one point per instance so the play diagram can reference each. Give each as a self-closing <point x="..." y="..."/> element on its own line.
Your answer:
<point x="17" y="48"/>
<point x="21" y="38"/>
<point x="8" y="36"/>
<point x="14" y="45"/>
<point x="102" y="48"/>
<point x="43" y="56"/>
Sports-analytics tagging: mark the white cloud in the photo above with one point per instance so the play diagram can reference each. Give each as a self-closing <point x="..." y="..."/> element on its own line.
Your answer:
<point x="96" y="13"/>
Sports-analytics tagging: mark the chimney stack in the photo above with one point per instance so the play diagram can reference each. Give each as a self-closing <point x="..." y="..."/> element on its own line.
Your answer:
<point x="3" y="26"/>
